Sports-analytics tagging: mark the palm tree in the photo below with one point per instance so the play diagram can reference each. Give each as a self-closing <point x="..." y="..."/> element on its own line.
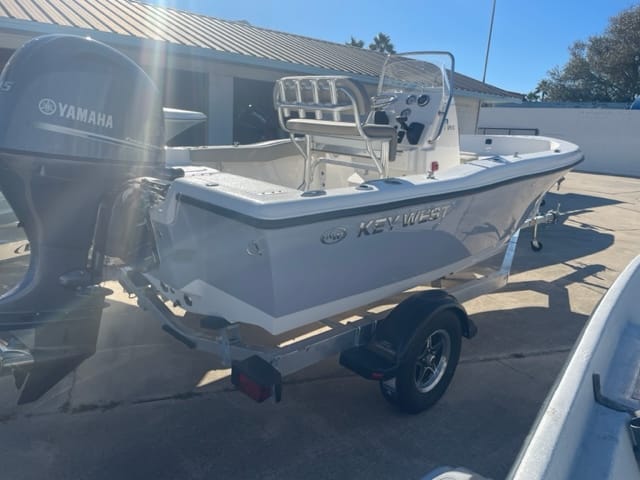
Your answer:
<point x="382" y="43"/>
<point x="542" y="89"/>
<point x="532" y="96"/>
<point x="355" y="43"/>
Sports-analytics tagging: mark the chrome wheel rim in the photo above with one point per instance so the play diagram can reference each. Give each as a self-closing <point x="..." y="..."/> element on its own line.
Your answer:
<point x="432" y="361"/>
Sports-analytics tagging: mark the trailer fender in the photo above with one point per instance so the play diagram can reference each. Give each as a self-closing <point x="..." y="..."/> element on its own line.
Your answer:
<point x="399" y="327"/>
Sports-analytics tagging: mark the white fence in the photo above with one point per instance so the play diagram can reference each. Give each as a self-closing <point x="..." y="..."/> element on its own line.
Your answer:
<point x="610" y="139"/>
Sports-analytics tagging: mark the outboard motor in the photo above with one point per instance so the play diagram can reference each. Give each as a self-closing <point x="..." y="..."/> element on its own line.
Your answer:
<point x="77" y="120"/>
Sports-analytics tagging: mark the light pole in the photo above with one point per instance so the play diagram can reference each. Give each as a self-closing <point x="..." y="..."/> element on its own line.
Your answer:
<point x="486" y="57"/>
<point x="486" y="61"/>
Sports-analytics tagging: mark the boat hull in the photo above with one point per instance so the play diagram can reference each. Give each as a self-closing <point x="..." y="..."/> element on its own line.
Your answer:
<point x="282" y="273"/>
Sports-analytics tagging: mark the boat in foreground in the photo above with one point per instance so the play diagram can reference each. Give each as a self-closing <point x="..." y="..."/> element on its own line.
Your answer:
<point x="589" y="425"/>
<point x="374" y="191"/>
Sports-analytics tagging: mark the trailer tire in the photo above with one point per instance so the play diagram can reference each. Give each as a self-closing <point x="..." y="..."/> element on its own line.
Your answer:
<point x="428" y="367"/>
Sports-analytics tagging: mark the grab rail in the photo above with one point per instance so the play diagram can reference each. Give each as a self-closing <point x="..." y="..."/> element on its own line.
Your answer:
<point x="319" y="94"/>
<point x="340" y="107"/>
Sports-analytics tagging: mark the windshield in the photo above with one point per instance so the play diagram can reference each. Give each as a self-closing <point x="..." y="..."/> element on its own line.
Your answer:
<point x="420" y="79"/>
<point x="410" y="75"/>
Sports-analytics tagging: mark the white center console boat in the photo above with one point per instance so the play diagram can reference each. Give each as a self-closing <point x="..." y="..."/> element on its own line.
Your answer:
<point x="376" y="195"/>
<point x="373" y="192"/>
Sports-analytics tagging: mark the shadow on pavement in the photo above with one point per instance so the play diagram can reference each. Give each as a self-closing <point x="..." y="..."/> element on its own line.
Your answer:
<point x="567" y="240"/>
<point x="577" y="201"/>
<point x="533" y="330"/>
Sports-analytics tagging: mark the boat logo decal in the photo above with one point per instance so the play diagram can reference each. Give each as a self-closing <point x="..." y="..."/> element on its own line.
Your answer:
<point x="49" y="107"/>
<point x="334" y="235"/>
<point x="402" y="220"/>
<point x="254" y="249"/>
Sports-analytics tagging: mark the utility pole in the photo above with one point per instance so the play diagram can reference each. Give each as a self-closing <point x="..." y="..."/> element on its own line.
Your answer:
<point x="486" y="57"/>
<point x="486" y="61"/>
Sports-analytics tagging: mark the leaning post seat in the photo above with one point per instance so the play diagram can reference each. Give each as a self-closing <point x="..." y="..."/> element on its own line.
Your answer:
<point x="332" y="106"/>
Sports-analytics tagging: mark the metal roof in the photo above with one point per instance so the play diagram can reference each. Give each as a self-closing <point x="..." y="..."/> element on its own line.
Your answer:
<point x="239" y="40"/>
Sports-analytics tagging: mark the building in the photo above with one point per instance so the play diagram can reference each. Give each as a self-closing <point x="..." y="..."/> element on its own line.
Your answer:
<point x="225" y="69"/>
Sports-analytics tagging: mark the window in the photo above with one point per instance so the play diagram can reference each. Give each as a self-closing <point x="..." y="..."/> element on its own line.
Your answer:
<point x="187" y="90"/>
<point x="254" y="118"/>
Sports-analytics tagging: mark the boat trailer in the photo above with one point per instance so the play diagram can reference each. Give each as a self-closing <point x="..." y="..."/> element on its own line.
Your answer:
<point x="411" y="350"/>
<point x="63" y="183"/>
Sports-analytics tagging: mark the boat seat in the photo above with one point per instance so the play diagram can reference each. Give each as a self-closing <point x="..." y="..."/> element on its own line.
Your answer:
<point x="333" y="107"/>
<point x="309" y="126"/>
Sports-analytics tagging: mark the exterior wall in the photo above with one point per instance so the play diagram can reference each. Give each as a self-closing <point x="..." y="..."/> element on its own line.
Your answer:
<point x="467" y="110"/>
<point x="610" y="139"/>
<point x="220" y="109"/>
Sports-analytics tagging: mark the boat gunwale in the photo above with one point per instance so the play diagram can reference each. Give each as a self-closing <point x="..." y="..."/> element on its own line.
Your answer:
<point x="278" y="223"/>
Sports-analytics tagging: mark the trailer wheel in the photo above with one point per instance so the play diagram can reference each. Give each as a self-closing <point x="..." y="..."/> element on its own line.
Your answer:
<point x="429" y="365"/>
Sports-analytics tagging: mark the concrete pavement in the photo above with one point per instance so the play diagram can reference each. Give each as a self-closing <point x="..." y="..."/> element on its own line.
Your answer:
<point x="134" y="410"/>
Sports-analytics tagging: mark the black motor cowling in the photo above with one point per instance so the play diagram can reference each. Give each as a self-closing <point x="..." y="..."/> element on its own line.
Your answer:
<point x="77" y="119"/>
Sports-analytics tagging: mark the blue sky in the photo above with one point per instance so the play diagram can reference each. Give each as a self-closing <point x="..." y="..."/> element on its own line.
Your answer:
<point x="529" y="37"/>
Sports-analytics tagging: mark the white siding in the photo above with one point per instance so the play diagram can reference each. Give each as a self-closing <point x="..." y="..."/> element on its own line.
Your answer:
<point x="610" y="139"/>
